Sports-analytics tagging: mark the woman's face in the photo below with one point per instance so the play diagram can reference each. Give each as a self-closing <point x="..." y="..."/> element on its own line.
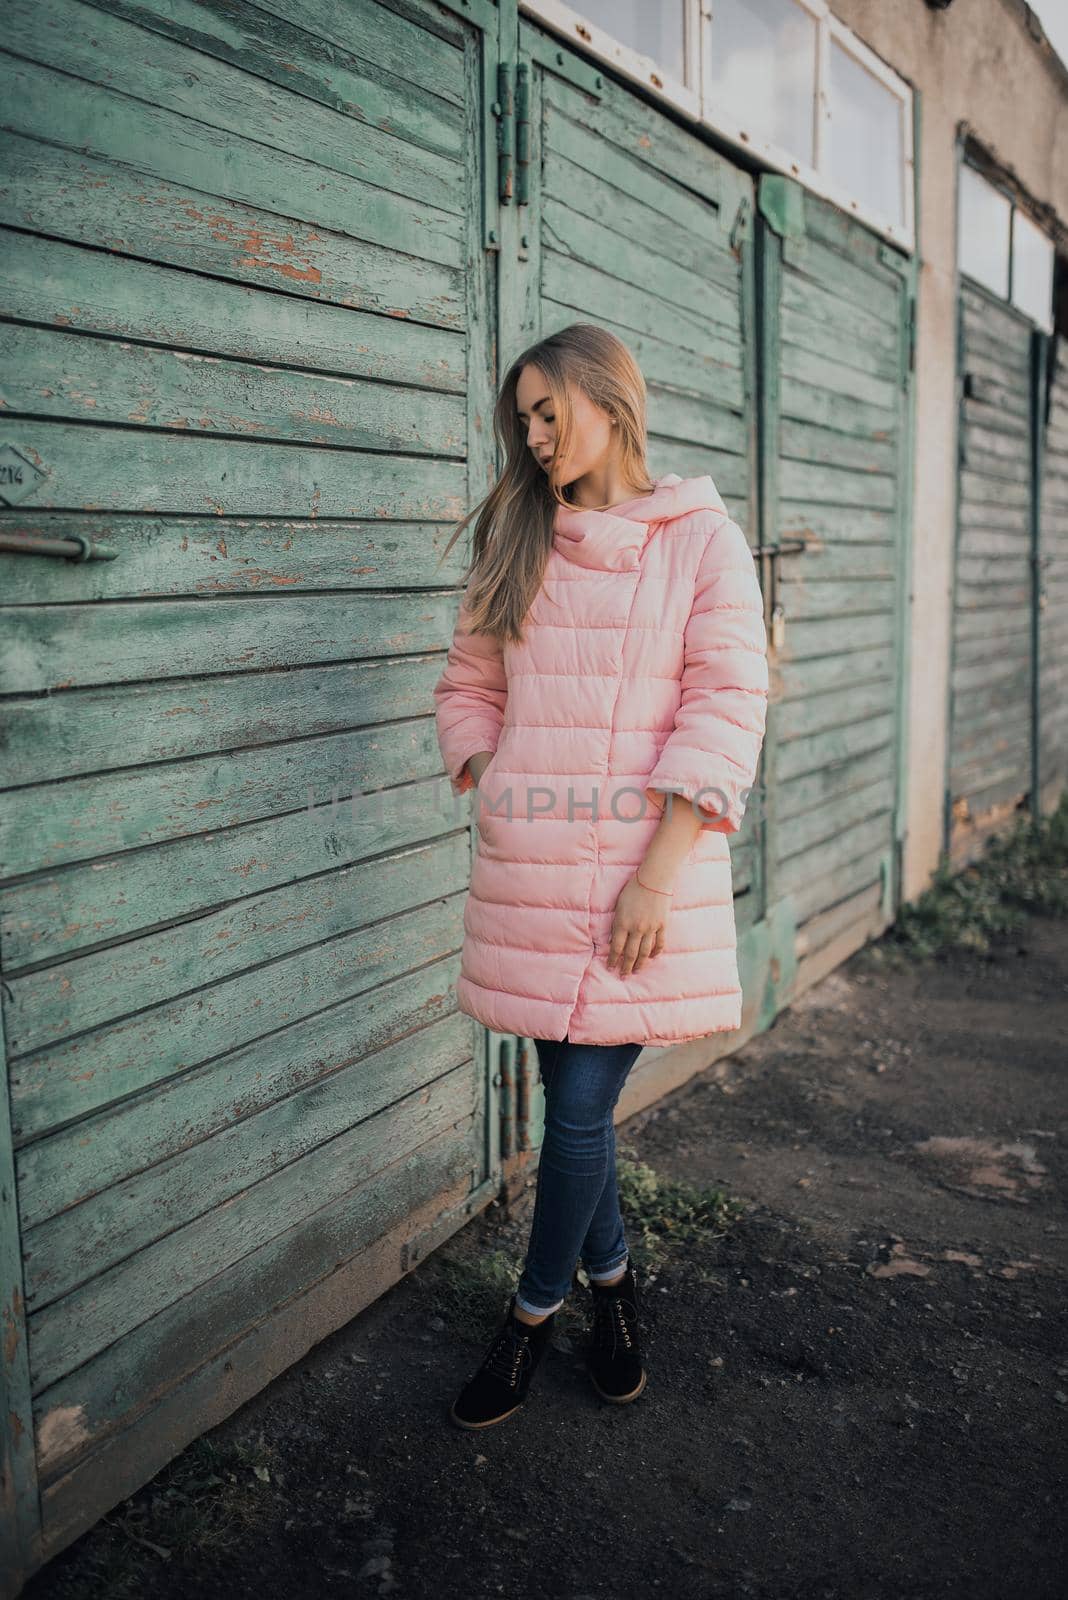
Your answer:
<point x="594" y="437"/>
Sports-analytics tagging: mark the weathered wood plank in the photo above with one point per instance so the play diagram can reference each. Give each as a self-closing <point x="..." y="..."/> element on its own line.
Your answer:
<point x="854" y="281"/>
<point x="806" y="716"/>
<point x="624" y="193"/>
<point x="404" y="46"/>
<point x="809" y="334"/>
<point x="834" y="747"/>
<point x="619" y="118"/>
<point x="1004" y="387"/>
<point x="199" y="1288"/>
<point x="819" y="789"/>
<point x="170" y="991"/>
<point x="850" y="883"/>
<point x="867" y="562"/>
<point x="974" y="670"/>
<point x="845" y="327"/>
<point x="47" y="827"/>
<point x="86" y="41"/>
<point x="813" y="597"/>
<point x="128" y="1448"/>
<point x="989" y="322"/>
<point x="824" y="372"/>
<point x="992" y="529"/>
<point x="690" y="421"/>
<point x="47" y="373"/>
<point x="980" y="489"/>
<point x="162" y="558"/>
<point x="595" y="293"/>
<point x="976" y="572"/>
<point x="673" y="289"/>
<point x="820" y="525"/>
<point x="829" y="861"/>
<point x="843" y="414"/>
<point x="74" y="196"/>
<point x="161" y="145"/>
<point x="71" y="1247"/>
<point x="330" y="1060"/>
<point x="1010" y="592"/>
<point x="806" y="441"/>
<point x="825" y="484"/>
<point x="68" y="736"/>
<point x="834" y="673"/>
<point x="822" y="636"/>
<point x="843" y="809"/>
<point x="99" y="902"/>
<point x="63" y="285"/>
<point x="993" y="427"/>
<point x="51" y="647"/>
<point x="995" y="624"/>
<point x="983" y="703"/>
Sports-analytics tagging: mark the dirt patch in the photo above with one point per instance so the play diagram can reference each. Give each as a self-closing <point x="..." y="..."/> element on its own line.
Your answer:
<point x="857" y="1382"/>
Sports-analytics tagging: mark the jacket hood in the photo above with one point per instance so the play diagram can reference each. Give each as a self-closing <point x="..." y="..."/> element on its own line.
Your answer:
<point x="613" y="540"/>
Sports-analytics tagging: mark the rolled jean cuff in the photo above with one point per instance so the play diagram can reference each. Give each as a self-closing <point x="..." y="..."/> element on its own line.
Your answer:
<point x="607" y="1272"/>
<point x="536" y="1311"/>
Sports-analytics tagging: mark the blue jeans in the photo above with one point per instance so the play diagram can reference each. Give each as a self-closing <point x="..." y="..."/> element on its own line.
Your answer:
<point x="576" y="1205"/>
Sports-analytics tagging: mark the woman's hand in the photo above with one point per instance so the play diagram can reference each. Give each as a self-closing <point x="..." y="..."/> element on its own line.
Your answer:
<point x="477" y="764"/>
<point x="637" y="927"/>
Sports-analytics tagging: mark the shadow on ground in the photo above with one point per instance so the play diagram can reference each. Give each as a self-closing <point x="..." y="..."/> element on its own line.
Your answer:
<point x="858" y="1391"/>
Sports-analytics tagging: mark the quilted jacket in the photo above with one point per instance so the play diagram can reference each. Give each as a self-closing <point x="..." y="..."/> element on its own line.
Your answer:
<point x="644" y="669"/>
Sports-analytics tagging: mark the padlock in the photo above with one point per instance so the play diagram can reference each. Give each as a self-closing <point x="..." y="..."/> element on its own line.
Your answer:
<point x="778" y="626"/>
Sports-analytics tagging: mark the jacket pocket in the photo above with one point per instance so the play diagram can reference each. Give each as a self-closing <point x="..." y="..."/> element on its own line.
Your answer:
<point x="481" y="793"/>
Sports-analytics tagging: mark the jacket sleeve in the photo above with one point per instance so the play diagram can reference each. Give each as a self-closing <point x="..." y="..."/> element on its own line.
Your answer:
<point x="469" y="699"/>
<point x="713" y="748"/>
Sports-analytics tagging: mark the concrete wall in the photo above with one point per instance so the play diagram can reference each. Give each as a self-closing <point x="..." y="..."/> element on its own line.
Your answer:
<point x="983" y="63"/>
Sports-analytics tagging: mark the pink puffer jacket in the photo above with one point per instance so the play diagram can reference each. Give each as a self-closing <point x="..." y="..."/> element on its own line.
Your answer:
<point x="644" y="669"/>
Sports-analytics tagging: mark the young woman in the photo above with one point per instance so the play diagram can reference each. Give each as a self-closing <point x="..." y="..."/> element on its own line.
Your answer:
<point x="605" y="691"/>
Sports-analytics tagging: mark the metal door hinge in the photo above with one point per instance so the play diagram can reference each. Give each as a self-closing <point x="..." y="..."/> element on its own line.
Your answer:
<point x="740" y="227"/>
<point x="522" y="134"/>
<point x="504" y="111"/>
<point x="512" y="110"/>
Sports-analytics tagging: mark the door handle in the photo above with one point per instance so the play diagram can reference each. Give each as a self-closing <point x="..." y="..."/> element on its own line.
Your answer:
<point x="76" y="548"/>
<point x="785" y="547"/>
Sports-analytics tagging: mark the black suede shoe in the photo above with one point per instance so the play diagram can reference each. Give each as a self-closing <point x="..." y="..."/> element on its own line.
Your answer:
<point x="501" y="1383"/>
<point x="614" y="1353"/>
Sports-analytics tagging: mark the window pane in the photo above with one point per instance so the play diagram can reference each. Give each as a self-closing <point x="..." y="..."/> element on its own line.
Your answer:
<point x="654" y="30"/>
<point x="867" y="154"/>
<point x="763" y="72"/>
<point x="983" y="237"/>
<point x="1032" y="270"/>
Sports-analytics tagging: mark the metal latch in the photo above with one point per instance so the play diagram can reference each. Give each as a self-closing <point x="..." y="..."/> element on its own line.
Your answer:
<point x="785" y="547"/>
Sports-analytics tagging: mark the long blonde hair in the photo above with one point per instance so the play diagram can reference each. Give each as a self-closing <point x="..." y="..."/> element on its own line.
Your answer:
<point x="513" y="532"/>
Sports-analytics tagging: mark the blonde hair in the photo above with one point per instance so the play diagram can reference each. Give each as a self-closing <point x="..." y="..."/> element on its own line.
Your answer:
<point x="513" y="533"/>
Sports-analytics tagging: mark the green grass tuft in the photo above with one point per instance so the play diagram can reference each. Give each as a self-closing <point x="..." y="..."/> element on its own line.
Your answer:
<point x="1020" y="872"/>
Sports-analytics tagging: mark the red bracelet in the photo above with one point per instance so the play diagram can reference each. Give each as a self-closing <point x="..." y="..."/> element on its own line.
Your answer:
<point x="650" y="887"/>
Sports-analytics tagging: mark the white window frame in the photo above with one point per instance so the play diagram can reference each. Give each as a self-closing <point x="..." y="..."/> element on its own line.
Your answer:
<point x="1008" y="193"/>
<point x="691" y="97"/>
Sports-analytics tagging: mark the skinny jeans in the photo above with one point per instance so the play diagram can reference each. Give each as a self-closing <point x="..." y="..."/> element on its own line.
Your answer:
<point x="576" y="1203"/>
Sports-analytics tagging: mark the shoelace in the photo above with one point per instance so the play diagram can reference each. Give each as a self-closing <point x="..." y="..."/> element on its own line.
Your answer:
<point x="506" y="1355"/>
<point x="609" y="1317"/>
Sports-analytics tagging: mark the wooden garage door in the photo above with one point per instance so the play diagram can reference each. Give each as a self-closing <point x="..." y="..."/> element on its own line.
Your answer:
<point x="1053" y="583"/>
<point x="992" y="684"/>
<point x="836" y="318"/>
<point x="245" y="349"/>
